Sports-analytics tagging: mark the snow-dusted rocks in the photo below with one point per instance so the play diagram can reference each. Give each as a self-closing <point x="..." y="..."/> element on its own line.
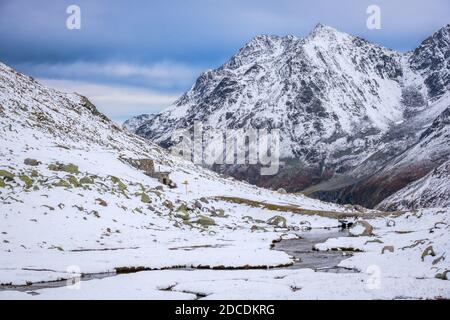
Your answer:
<point x="135" y="122"/>
<point x="361" y="229"/>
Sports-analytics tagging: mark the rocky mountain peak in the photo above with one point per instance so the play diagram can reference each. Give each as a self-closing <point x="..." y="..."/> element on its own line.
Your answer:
<point x="135" y="122"/>
<point x="321" y="29"/>
<point x="323" y="34"/>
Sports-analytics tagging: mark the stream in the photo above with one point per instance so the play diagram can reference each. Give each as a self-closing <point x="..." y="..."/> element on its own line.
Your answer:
<point x="301" y="249"/>
<point x="305" y="257"/>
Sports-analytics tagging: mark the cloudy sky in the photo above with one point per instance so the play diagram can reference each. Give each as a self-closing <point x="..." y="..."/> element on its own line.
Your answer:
<point x="138" y="56"/>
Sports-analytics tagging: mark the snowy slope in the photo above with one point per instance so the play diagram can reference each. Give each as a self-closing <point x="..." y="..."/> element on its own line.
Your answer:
<point x="432" y="151"/>
<point x="432" y="191"/>
<point x="65" y="192"/>
<point x="344" y="106"/>
<point x="426" y="152"/>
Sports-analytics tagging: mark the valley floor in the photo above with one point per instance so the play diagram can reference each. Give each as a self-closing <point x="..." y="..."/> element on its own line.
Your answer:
<point x="366" y="272"/>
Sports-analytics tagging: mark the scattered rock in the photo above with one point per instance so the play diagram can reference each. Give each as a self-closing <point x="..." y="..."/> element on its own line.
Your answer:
<point x="204" y="200"/>
<point x="204" y="221"/>
<point x="361" y="229"/>
<point x="101" y="202"/>
<point x="390" y="223"/>
<point x="183" y="208"/>
<point x="256" y="228"/>
<point x="182" y="212"/>
<point x="429" y="251"/>
<point x="8" y="176"/>
<point x="69" y="168"/>
<point x="31" y="162"/>
<point x="443" y="275"/>
<point x="277" y="221"/>
<point x="219" y="213"/>
<point x="282" y="191"/>
<point x="198" y="205"/>
<point x="436" y="261"/>
<point x="373" y="241"/>
<point x="95" y="213"/>
<point x="387" y="248"/>
<point x="168" y="204"/>
<point x="305" y="225"/>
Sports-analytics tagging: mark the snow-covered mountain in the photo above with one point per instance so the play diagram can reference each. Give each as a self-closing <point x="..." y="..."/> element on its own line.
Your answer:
<point x="135" y="122"/>
<point x="72" y="206"/>
<point x="344" y="106"/>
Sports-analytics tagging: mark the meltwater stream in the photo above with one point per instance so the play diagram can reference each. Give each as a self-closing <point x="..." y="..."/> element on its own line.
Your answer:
<point x="301" y="249"/>
<point x="305" y="257"/>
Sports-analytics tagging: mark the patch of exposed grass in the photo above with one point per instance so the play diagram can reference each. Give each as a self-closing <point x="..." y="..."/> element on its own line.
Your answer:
<point x="69" y="168"/>
<point x="297" y="210"/>
<point x="28" y="182"/>
<point x="6" y="175"/>
<point x="122" y="187"/>
<point x="145" y="198"/>
<point x="87" y="180"/>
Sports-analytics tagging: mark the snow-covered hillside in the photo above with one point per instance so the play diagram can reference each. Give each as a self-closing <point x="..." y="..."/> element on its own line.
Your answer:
<point x="71" y="206"/>
<point x="429" y="151"/>
<point x="344" y="107"/>
<point x="432" y="191"/>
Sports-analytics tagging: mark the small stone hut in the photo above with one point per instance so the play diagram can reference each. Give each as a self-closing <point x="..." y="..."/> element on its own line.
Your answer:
<point x="148" y="166"/>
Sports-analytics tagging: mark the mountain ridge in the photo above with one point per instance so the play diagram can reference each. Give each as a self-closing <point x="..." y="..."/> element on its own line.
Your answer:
<point x="342" y="104"/>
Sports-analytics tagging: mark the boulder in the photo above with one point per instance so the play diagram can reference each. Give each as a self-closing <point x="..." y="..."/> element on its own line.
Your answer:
<point x="277" y="221"/>
<point x="387" y="248"/>
<point x="31" y="162"/>
<point x="429" y="251"/>
<point x="361" y="229"/>
<point x="204" y="221"/>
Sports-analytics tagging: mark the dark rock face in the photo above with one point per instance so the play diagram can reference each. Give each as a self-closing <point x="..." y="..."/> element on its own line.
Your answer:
<point x="345" y="108"/>
<point x="432" y="60"/>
